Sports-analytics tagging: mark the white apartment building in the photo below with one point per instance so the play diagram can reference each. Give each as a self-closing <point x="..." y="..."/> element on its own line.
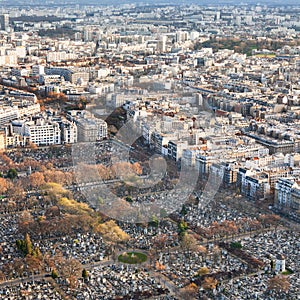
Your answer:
<point x="37" y="70"/>
<point x="60" y="56"/>
<point x="101" y="89"/>
<point x="42" y="132"/>
<point x="29" y="110"/>
<point x="287" y="193"/>
<point x="8" y="113"/>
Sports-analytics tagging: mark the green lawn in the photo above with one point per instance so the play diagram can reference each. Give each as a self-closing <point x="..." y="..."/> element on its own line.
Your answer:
<point x="132" y="258"/>
<point x="287" y="272"/>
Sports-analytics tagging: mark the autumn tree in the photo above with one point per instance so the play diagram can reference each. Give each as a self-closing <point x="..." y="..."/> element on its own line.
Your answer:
<point x="112" y="232"/>
<point x="189" y="292"/>
<point x="203" y="271"/>
<point x="70" y="269"/>
<point x="137" y="168"/>
<point x="15" y="191"/>
<point x="3" y="185"/>
<point x="159" y="266"/>
<point x="25" y="220"/>
<point x="2" y="276"/>
<point x="73" y="207"/>
<point x="229" y="227"/>
<point x="159" y="242"/>
<point x="279" y="284"/>
<point x="122" y="170"/>
<point x="269" y="220"/>
<point x="33" y="263"/>
<point x="36" y="179"/>
<point x="55" y="192"/>
<point x="209" y="283"/>
<point x="216" y="253"/>
<point x="32" y="145"/>
<point x="103" y="172"/>
<point x="188" y="243"/>
<point x="18" y="266"/>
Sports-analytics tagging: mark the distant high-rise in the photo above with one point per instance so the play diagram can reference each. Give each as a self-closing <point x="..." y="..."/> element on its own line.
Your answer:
<point x="4" y="22"/>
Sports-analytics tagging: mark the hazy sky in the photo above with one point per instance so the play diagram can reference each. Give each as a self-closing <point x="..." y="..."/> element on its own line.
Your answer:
<point x="118" y="2"/>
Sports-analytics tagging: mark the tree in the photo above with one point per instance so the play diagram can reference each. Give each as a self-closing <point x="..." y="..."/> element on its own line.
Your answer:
<point x="12" y="173"/>
<point x="33" y="263"/>
<point x="3" y="185"/>
<point x="85" y="274"/>
<point x="236" y="245"/>
<point x="203" y="271"/>
<point x="279" y="284"/>
<point x="183" y="211"/>
<point x="25" y="221"/>
<point x="28" y="244"/>
<point x="52" y="212"/>
<point x="154" y="222"/>
<point x="55" y="191"/>
<point x="137" y="168"/>
<point x="229" y="227"/>
<point x="188" y="243"/>
<point x="54" y="274"/>
<point x="112" y="232"/>
<point x="159" y="266"/>
<point x="273" y="220"/>
<point x="189" y="292"/>
<point x="36" y="179"/>
<point x="214" y="229"/>
<point x="2" y="276"/>
<point x="25" y="246"/>
<point x="254" y="224"/>
<point x="74" y="207"/>
<point x="216" y="253"/>
<point x="18" y="266"/>
<point x="209" y="283"/>
<point x="182" y="227"/>
<point x="37" y="253"/>
<point x="15" y="191"/>
<point x="70" y="269"/>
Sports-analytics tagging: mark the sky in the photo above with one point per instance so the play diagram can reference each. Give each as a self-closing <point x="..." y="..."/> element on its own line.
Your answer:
<point x="178" y="2"/>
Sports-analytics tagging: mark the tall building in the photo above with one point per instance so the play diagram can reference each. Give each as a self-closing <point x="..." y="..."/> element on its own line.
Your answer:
<point x="8" y="113"/>
<point x="42" y="132"/>
<point x="69" y="132"/>
<point x="91" y="129"/>
<point x="4" y="22"/>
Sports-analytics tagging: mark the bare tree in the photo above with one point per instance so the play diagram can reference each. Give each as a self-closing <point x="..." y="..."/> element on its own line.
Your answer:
<point x="279" y="284"/>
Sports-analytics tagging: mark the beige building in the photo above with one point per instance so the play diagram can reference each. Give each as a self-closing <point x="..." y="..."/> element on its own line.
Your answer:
<point x="91" y="129"/>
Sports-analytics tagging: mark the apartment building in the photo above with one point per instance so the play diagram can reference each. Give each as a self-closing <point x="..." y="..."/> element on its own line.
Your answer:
<point x="42" y="132"/>
<point x="69" y="134"/>
<point x="4" y="22"/>
<point x="91" y="129"/>
<point x="287" y="194"/>
<point x="8" y="113"/>
<point x="252" y="185"/>
<point x="175" y="149"/>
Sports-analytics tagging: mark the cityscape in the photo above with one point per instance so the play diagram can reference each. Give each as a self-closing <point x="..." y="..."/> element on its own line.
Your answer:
<point x="150" y="150"/>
